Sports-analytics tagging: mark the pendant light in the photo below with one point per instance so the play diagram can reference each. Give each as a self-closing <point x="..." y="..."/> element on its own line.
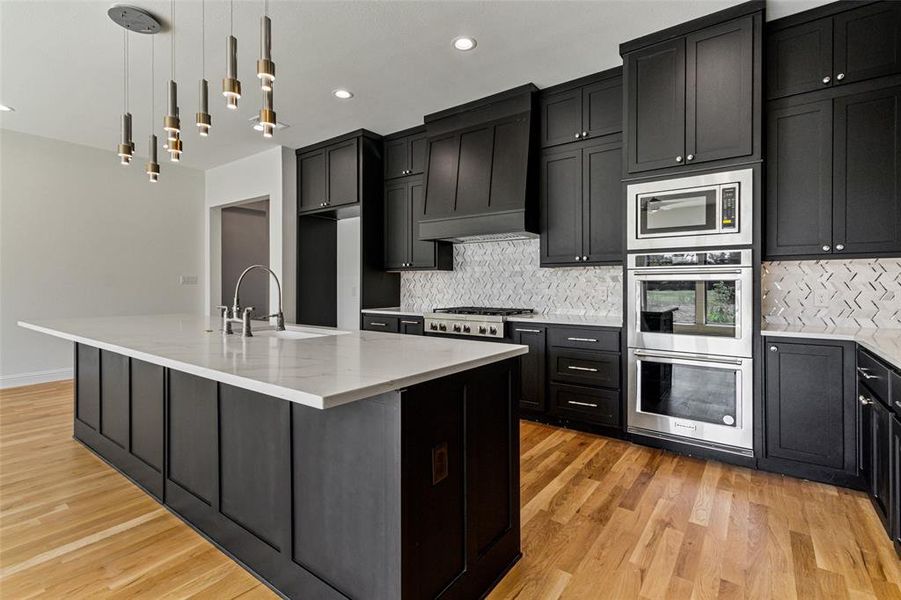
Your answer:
<point x="265" y="66"/>
<point x="203" y="118"/>
<point x="231" y="87"/>
<point x="126" y="147"/>
<point x="152" y="168"/>
<point x="171" y="122"/>
<point x="267" y="115"/>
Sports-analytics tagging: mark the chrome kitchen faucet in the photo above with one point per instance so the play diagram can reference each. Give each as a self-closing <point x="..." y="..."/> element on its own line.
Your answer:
<point x="247" y="312"/>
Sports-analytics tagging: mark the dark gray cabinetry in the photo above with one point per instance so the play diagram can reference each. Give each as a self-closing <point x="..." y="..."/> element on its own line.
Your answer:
<point x="584" y="112"/>
<point x="532" y="366"/>
<point x="810" y="410"/>
<point x="411" y="325"/>
<point x="376" y="322"/>
<point x="404" y="205"/>
<point x="834" y="175"/>
<point x="876" y="446"/>
<point x="849" y="46"/>
<point x="895" y="463"/>
<point x="405" y="153"/>
<point x="581" y="204"/>
<point x="87" y="388"/>
<point x="691" y="99"/>
<point x="329" y="174"/>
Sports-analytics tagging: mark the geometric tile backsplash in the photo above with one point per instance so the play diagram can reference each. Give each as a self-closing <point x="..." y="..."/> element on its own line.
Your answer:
<point x="506" y="274"/>
<point x="840" y="293"/>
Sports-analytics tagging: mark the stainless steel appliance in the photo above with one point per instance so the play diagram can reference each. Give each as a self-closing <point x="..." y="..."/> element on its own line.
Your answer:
<point x="699" y="302"/>
<point x="470" y="321"/>
<point x="690" y="336"/>
<point x="714" y="209"/>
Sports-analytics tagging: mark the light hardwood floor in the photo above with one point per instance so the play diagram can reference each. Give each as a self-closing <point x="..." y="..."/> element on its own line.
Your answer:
<point x="601" y="519"/>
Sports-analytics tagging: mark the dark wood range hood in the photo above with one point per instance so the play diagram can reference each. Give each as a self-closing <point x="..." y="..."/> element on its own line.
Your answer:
<point x="481" y="170"/>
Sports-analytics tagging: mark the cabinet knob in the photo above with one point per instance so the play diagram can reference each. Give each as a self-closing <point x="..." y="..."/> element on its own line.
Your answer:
<point x="839" y="246"/>
<point x="840" y="76"/>
<point x="578" y="258"/>
<point x="864" y="400"/>
<point x="584" y="134"/>
<point x="584" y="258"/>
<point x="826" y="248"/>
<point x="679" y="158"/>
<point x="827" y="79"/>
<point x="578" y="135"/>
<point x="774" y="349"/>
<point x="690" y="157"/>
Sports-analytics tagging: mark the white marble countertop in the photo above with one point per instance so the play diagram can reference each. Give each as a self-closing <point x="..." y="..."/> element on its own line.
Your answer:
<point x="548" y="318"/>
<point x="327" y="368"/>
<point x="884" y="343"/>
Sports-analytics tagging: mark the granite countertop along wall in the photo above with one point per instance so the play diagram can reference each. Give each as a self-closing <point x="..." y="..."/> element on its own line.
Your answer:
<point x="508" y="274"/>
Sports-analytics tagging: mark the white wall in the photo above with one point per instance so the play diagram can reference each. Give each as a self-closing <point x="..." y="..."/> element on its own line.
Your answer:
<point x="269" y="174"/>
<point x="81" y="235"/>
<point x="348" y="236"/>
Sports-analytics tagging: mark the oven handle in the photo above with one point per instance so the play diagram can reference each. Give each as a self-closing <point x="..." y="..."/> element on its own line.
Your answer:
<point x="713" y="359"/>
<point x="686" y="272"/>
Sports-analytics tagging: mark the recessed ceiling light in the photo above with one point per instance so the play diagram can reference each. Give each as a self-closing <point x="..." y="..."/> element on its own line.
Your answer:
<point x="343" y="94"/>
<point x="464" y="43"/>
<point x="5" y="108"/>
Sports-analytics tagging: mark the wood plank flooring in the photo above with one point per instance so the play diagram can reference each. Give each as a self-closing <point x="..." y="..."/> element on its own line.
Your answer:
<point x="601" y="518"/>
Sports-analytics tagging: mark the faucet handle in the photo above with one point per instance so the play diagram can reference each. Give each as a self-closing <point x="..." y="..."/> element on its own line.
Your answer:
<point x="226" y="325"/>
<point x="249" y="309"/>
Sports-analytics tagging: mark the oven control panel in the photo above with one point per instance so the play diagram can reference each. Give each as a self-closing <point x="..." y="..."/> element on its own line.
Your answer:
<point x="729" y="207"/>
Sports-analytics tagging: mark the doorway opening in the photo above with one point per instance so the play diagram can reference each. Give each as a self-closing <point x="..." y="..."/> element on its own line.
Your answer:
<point x="245" y="242"/>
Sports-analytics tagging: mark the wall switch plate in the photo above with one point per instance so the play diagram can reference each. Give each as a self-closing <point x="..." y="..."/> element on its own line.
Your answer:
<point x="187" y="279"/>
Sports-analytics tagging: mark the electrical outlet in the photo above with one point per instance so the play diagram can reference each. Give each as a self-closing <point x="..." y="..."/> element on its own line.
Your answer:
<point x="187" y="279"/>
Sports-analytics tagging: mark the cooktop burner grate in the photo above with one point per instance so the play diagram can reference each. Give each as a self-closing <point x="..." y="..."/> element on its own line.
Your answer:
<point x="487" y="311"/>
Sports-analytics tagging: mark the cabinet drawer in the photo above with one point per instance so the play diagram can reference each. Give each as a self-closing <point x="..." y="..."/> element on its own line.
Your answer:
<point x="381" y="323"/>
<point x="874" y="374"/>
<point x="586" y="404"/>
<point x="584" y="367"/>
<point x="584" y="338"/>
<point x="410" y="325"/>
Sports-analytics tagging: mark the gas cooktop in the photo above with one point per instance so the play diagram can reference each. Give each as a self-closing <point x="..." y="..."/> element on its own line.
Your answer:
<point x="471" y="321"/>
<point x="484" y="311"/>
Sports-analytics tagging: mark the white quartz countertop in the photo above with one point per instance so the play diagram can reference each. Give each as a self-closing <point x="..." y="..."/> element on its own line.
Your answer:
<point x="324" y="368"/>
<point x="546" y="318"/>
<point x="884" y="343"/>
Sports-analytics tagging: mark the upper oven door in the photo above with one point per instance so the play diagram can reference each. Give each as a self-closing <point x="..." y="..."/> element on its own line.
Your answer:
<point x="715" y="209"/>
<point x="700" y="311"/>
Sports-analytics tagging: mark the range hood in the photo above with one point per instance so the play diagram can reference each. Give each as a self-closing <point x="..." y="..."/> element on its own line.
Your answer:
<point x="481" y="170"/>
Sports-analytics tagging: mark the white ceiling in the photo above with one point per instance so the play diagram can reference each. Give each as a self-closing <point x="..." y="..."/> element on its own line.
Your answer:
<point x="61" y="62"/>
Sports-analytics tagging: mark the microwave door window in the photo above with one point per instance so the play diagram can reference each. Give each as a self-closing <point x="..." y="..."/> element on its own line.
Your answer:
<point x="706" y="308"/>
<point x="689" y="392"/>
<point x="678" y="213"/>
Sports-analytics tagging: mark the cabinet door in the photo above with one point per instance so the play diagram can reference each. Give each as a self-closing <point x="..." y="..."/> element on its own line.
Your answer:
<point x="656" y="106"/>
<point x="396" y="158"/>
<point x="532" y="366"/>
<point x="867" y="172"/>
<point x="87" y="393"/>
<point x="808" y="418"/>
<point x="719" y="97"/>
<point x="561" y="117"/>
<point x="868" y="42"/>
<point x="442" y="158"/>
<point x="896" y="484"/>
<point x="603" y="202"/>
<point x="114" y="398"/>
<point x="397" y="223"/>
<point x="147" y="400"/>
<point x="799" y="58"/>
<point x="602" y="107"/>
<point x="311" y="170"/>
<point x="880" y="473"/>
<point x="561" y="206"/>
<point x="416" y="150"/>
<point x="799" y="180"/>
<point x="422" y="253"/>
<point x="343" y="170"/>
<point x="411" y="325"/>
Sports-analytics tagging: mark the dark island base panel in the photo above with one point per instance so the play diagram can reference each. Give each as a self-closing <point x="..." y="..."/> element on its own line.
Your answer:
<point x="432" y="510"/>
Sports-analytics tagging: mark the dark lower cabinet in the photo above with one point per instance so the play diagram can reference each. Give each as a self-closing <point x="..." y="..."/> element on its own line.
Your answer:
<point x="114" y="400"/>
<point x="896" y="483"/>
<point x="876" y="449"/>
<point x="406" y="324"/>
<point x="810" y="411"/>
<point x="87" y="389"/>
<point x="411" y="325"/>
<point x="532" y="366"/>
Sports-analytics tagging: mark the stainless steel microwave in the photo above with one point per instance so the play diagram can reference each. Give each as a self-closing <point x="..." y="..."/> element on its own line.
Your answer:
<point x="714" y="209"/>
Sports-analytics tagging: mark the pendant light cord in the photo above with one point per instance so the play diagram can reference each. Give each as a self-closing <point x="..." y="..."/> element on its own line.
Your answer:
<point x="203" y="39"/>
<point x="266" y="7"/>
<point x="231" y="17"/>
<point x="152" y="76"/>
<point x="172" y="25"/>
<point x="124" y="70"/>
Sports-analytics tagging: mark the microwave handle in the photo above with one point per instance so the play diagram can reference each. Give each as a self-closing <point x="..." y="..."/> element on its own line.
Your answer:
<point x="712" y="359"/>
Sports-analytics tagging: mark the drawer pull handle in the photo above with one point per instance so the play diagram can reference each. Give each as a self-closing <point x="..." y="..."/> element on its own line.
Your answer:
<point x="529" y="330"/>
<point x="588" y="404"/>
<point x="865" y="373"/>
<point x="578" y="339"/>
<point x="589" y="369"/>
<point x="377" y="324"/>
<point x="410" y="322"/>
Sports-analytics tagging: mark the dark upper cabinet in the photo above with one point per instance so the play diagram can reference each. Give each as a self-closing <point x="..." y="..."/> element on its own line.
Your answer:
<point x="404" y="200"/>
<point x="532" y="365"/>
<point x="342" y="168"/>
<point x="799" y="179"/>
<point x="866" y="173"/>
<point x="405" y="155"/>
<point x="656" y="106"/>
<point x="311" y="175"/>
<point x="834" y="176"/>
<point x="329" y="173"/>
<point x="584" y="112"/>
<point x="581" y="204"/>
<point x="853" y="45"/>
<point x="810" y="410"/>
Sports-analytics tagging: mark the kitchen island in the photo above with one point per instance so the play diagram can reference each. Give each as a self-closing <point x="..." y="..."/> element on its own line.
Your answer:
<point x="331" y="464"/>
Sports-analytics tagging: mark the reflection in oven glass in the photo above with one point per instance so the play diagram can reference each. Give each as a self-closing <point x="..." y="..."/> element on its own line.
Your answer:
<point x="689" y="307"/>
<point x="689" y="392"/>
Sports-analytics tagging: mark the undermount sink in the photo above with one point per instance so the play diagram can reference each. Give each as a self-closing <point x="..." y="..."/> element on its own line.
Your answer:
<point x="287" y="334"/>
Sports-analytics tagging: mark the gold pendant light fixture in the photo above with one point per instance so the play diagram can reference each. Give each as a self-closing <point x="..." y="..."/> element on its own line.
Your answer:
<point x="203" y="118"/>
<point x="266" y="73"/>
<point x="171" y="122"/>
<point x="152" y="168"/>
<point x="231" y="87"/>
<point x="126" y="147"/>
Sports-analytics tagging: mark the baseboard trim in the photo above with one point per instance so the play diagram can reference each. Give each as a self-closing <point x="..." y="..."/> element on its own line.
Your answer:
<point x="20" y="379"/>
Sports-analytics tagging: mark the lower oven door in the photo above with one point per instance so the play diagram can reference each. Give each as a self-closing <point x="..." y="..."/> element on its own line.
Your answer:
<point x="706" y="400"/>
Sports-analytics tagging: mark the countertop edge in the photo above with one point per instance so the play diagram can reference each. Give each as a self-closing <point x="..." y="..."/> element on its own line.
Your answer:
<point x="541" y="318"/>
